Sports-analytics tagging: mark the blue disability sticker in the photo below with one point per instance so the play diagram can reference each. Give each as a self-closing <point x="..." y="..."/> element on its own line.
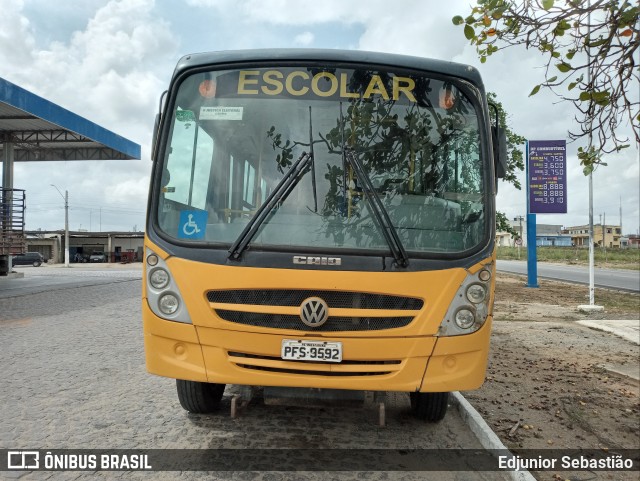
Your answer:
<point x="193" y="224"/>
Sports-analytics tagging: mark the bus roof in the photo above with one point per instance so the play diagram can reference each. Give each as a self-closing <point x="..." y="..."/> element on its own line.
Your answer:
<point x="462" y="71"/>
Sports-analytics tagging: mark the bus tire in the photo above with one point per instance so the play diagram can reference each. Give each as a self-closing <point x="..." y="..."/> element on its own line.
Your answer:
<point x="199" y="397"/>
<point x="429" y="406"/>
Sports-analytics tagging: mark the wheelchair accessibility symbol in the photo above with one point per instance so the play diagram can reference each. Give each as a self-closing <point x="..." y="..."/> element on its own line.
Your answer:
<point x="190" y="228"/>
<point x="192" y="224"/>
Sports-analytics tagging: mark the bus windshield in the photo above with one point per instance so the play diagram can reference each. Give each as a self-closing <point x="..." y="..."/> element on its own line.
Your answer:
<point x="234" y="134"/>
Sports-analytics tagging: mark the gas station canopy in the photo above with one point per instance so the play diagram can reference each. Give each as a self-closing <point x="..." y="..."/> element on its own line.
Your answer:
<point x="34" y="129"/>
<point x="40" y="130"/>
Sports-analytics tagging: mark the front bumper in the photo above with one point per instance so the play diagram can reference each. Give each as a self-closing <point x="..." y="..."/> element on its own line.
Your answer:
<point x="372" y="363"/>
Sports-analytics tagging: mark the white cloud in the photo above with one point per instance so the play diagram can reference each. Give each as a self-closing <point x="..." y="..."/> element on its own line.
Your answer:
<point x="16" y="41"/>
<point x="299" y="12"/>
<point x="304" y="39"/>
<point x="113" y="68"/>
<point x="111" y="73"/>
<point x="129" y="191"/>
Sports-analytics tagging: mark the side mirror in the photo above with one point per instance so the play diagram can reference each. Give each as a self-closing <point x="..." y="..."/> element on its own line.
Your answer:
<point x="154" y="138"/>
<point x="156" y="127"/>
<point x="499" y="151"/>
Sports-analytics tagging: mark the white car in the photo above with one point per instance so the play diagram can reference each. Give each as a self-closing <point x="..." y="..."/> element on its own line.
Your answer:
<point x="97" y="257"/>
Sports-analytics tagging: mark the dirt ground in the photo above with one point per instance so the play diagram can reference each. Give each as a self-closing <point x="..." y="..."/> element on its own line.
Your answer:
<point x="548" y="386"/>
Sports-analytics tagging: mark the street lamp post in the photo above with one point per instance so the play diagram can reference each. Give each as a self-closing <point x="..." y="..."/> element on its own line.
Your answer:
<point x="66" y="224"/>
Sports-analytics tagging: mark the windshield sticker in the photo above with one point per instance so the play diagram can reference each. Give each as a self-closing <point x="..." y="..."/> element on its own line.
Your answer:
<point x="221" y="113"/>
<point x="193" y="224"/>
<point x="185" y="116"/>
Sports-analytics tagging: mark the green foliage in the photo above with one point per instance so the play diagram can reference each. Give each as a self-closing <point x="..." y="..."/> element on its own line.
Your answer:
<point x="589" y="158"/>
<point x="515" y="160"/>
<point x="388" y="141"/>
<point x="515" y="142"/>
<point x="606" y="36"/>
<point x="503" y="225"/>
<point x="285" y="158"/>
<point x="564" y="67"/>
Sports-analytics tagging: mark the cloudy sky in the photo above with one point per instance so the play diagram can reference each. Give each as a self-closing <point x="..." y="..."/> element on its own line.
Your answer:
<point x="109" y="61"/>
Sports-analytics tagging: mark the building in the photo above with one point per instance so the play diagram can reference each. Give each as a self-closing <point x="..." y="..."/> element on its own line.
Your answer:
<point x="546" y="235"/>
<point x="603" y="236"/>
<point x="117" y="246"/>
<point x="631" y="241"/>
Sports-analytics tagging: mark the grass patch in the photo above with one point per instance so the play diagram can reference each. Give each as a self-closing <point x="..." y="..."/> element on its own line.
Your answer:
<point x="621" y="258"/>
<point x="614" y="301"/>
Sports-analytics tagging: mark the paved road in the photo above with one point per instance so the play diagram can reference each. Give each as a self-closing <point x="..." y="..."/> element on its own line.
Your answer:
<point x="622" y="279"/>
<point x="53" y="278"/>
<point x="73" y="376"/>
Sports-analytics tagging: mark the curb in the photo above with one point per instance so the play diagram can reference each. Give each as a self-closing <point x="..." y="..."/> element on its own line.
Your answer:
<point x="632" y="335"/>
<point x="488" y="439"/>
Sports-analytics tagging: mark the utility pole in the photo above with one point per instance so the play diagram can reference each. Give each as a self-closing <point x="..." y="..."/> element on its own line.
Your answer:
<point x="621" y="234"/>
<point x="66" y="224"/>
<point x="592" y="301"/>
<point x="520" y="219"/>
<point x="519" y="241"/>
<point x="66" y="228"/>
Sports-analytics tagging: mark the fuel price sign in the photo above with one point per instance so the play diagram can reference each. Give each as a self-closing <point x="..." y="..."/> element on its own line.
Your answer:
<point x="547" y="176"/>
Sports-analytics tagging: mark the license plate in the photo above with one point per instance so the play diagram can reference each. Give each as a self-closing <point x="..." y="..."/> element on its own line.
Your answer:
<point x="318" y="351"/>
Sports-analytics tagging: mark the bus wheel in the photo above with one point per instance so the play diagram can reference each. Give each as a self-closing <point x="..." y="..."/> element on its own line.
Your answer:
<point x="199" y="397"/>
<point x="429" y="406"/>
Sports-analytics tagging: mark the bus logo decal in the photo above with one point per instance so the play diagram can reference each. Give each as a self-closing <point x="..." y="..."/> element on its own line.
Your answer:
<point x="314" y="312"/>
<point x="317" y="261"/>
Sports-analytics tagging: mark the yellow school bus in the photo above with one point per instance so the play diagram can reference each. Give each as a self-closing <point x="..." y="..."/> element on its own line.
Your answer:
<point x="321" y="219"/>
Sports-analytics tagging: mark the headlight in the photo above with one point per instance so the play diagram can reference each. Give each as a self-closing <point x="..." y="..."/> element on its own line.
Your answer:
<point x="469" y="308"/>
<point x="168" y="304"/>
<point x="484" y="275"/>
<point x="162" y="291"/>
<point x="476" y="293"/>
<point x="159" y="278"/>
<point x="465" y="318"/>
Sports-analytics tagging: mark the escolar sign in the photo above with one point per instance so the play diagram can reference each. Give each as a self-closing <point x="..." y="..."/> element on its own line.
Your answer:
<point x="301" y="83"/>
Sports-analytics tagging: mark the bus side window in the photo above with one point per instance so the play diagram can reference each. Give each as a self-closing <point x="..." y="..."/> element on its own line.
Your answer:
<point x="189" y="165"/>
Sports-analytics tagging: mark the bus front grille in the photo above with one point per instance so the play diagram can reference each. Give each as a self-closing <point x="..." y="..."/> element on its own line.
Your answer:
<point x="333" y="324"/>
<point x="295" y="297"/>
<point x="345" y="368"/>
<point x="279" y="309"/>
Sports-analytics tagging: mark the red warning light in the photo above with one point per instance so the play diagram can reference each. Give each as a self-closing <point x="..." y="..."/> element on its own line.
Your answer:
<point x="447" y="98"/>
<point x="207" y="88"/>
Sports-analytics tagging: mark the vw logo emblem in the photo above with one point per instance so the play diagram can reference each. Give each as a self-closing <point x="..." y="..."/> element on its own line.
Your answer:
<point x="314" y="312"/>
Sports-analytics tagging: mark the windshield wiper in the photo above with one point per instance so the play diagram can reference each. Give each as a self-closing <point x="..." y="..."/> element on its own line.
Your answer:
<point x="279" y="194"/>
<point x="380" y="214"/>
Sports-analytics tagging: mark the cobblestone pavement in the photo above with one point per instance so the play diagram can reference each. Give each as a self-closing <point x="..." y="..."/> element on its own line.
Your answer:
<point x="48" y="278"/>
<point x="73" y="376"/>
